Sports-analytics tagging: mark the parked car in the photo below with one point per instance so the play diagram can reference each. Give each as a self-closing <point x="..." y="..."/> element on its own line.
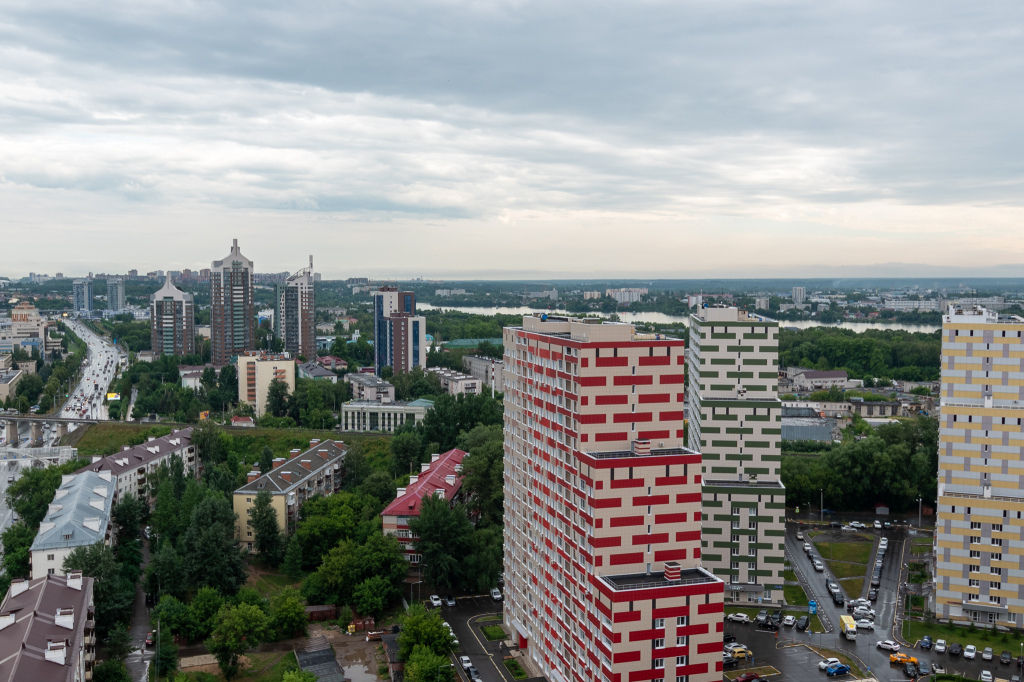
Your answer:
<point x="970" y="651"/>
<point x="857" y="524"/>
<point x="803" y="622"/>
<point x="878" y="524"/>
<point x="761" y="616"/>
<point x="837" y="669"/>
<point x="473" y="673"/>
<point x="449" y="600"/>
<point x="910" y="670"/>
<point x="435" y="600"/>
<point x="826" y="662"/>
<point x="818" y="566"/>
<point x="747" y="677"/>
<point x="807" y="547"/>
<point x="865" y="624"/>
<point x="495" y="594"/>
<point x="465" y="662"/>
<point x="789" y="620"/>
<point x="799" y="535"/>
<point x="940" y="646"/>
<point x="149" y="639"/>
<point x="873" y="595"/>
<point x="729" y="662"/>
<point x="1005" y="657"/>
<point x="768" y="624"/>
<point x="899" y="658"/>
<point x="728" y="638"/>
<point x="987" y="653"/>
<point x="986" y="676"/>
<point x="863" y="612"/>
<point x="738" y="617"/>
<point x="888" y="645"/>
<point x="955" y="649"/>
<point x="926" y="643"/>
<point x="938" y="669"/>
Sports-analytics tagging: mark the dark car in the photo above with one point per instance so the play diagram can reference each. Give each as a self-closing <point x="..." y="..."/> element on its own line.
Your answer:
<point x="747" y="677"/>
<point x="873" y="595"/>
<point x="1005" y="657"/>
<point x="768" y="624"/>
<point x="910" y="669"/>
<point x="449" y="600"/>
<point x="835" y="524"/>
<point x="473" y="673"/>
<point x="955" y="649"/>
<point x="150" y="599"/>
<point x="926" y="642"/>
<point x="803" y="622"/>
<point x="777" y="616"/>
<point x="728" y="638"/>
<point x="729" y="662"/>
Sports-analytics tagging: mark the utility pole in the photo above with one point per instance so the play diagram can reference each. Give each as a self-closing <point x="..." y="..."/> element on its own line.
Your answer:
<point x="919" y="512"/>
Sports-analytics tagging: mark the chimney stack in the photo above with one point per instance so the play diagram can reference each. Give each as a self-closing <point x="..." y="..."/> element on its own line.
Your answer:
<point x="287" y="475"/>
<point x="306" y="463"/>
<point x="253" y="475"/>
<point x="672" y="570"/>
<point x="18" y="585"/>
<point x="278" y="461"/>
<point x="74" y="580"/>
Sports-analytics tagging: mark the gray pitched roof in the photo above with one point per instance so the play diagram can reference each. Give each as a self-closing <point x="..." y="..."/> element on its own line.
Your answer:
<point x="79" y="513"/>
<point x="140" y="455"/>
<point x="289" y="474"/>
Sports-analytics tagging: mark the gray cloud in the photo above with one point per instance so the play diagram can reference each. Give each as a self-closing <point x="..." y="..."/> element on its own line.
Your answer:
<point x="783" y="128"/>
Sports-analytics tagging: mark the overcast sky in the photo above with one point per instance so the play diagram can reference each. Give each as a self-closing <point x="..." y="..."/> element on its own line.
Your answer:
<point x="505" y="139"/>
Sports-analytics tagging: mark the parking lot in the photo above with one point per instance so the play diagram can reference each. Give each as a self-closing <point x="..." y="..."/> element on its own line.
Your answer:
<point x="466" y="618"/>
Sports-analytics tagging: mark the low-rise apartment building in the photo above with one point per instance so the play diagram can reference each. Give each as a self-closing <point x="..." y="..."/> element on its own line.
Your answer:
<point x="292" y="480"/>
<point x="256" y="370"/>
<point x="382" y="415"/>
<point x="456" y="383"/>
<point x="313" y="370"/>
<point x="78" y="516"/>
<point x="369" y="387"/>
<point x="47" y="629"/>
<point x="131" y="468"/>
<point x="488" y="370"/>
<point x="442" y="477"/>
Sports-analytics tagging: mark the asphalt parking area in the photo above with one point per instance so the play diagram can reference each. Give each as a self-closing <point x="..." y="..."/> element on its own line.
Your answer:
<point x="486" y="656"/>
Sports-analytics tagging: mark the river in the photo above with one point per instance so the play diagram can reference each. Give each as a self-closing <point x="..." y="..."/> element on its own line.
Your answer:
<point x="662" y="318"/>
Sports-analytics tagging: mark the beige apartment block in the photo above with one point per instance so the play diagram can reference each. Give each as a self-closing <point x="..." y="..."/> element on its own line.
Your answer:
<point x="255" y="372"/>
<point x="978" y="547"/>
<point x="736" y="425"/>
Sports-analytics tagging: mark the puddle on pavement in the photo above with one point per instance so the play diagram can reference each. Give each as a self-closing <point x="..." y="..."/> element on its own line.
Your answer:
<point x="358" y="672"/>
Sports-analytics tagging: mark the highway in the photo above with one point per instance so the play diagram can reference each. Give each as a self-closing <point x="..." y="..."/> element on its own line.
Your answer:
<point x="100" y="366"/>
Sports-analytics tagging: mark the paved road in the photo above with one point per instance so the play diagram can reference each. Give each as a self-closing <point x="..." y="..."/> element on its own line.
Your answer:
<point x="138" y="661"/>
<point x="485" y="656"/>
<point x="102" y="360"/>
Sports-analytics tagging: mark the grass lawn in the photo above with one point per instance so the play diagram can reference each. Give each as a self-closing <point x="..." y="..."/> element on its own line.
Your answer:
<point x="267" y="667"/>
<point x="814" y="625"/>
<point x="517" y="670"/>
<point x="106" y="438"/>
<point x="914" y="630"/>
<point x="489" y="619"/>
<point x="269" y="584"/>
<point x="853" y="586"/>
<point x="795" y="595"/>
<point x="494" y="632"/>
<point x="842" y="569"/>
<point x="855" y="552"/>
<point x="789" y="574"/>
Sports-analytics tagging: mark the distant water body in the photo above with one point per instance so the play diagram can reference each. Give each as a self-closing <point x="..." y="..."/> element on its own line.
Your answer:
<point x="662" y="318"/>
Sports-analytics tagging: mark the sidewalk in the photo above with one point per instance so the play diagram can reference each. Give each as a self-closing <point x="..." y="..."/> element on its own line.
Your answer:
<point x="138" y="661"/>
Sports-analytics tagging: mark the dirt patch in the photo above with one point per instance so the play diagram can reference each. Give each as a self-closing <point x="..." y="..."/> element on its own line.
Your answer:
<point x="358" y="658"/>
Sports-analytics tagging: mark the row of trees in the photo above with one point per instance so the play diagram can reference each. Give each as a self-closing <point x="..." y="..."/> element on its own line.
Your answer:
<point x="894" y="464"/>
<point x="889" y="353"/>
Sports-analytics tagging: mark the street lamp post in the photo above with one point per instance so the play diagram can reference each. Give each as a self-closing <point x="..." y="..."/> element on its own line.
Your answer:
<point x="821" y="505"/>
<point x="919" y="512"/>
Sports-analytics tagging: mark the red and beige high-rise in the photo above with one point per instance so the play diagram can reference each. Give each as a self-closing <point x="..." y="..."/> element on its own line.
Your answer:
<point x="603" y="507"/>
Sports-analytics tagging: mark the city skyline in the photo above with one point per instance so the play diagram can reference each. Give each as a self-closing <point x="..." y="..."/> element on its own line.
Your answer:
<point x="627" y="138"/>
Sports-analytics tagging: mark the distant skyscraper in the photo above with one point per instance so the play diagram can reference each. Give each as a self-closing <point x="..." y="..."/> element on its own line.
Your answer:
<point x="115" y="294"/>
<point x="295" y="313"/>
<point x="172" y="321"/>
<point x="232" y="306"/>
<point x="399" y="335"/>
<point x="82" y="294"/>
<point x="799" y="295"/>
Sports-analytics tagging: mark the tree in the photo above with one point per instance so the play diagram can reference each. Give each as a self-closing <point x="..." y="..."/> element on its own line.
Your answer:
<point x="175" y="617"/>
<point x="211" y="555"/>
<point x="298" y="676"/>
<point x="423" y="665"/>
<point x="445" y="539"/>
<point x="483" y="472"/>
<point x="119" y="642"/>
<point x="407" y="451"/>
<point x="372" y="596"/>
<point x="204" y="609"/>
<point x="277" y="398"/>
<point x="238" y="629"/>
<point x="113" y="670"/>
<point x="266" y="459"/>
<point x="293" y="559"/>
<point x="423" y="629"/>
<point x="287" y="613"/>
<point x="207" y="438"/>
<point x="266" y="531"/>
<point x="17" y="542"/>
<point x="165" y="661"/>
<point x="114" y="593"/>
<point x="165" y="572"/>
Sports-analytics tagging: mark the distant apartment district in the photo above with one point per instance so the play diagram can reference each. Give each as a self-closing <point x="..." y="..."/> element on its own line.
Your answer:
<point x="642" y="474"/>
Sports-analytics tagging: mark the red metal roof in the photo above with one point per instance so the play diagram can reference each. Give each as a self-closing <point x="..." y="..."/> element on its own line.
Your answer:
<point x="428" y="482"/>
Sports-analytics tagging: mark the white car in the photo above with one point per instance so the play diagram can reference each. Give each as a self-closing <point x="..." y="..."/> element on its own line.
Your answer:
<point x="883" y="543"/>
<point x="789" y="620"/>
<point x="738" y="617"/>
<point x="807" y="547"/>
<point x="986" y="676"/>
<point x="878" y="525"/>
<point x="986" y="654"/>
<point x="818" y="566"/>
<point x="435" y="601"/>
<point x="940" y="646"/>
<point x="495" y="594"/>
<point x="861" y="612"/>
<point x="826" y="662"/>
<point x="888" y="645"/>
<point x="970" y="651"/>
<point x="799" y="535"/>
<point x="857" y="524"/>
<point x="465" y="662"/>
<point x="865" y="624"/>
